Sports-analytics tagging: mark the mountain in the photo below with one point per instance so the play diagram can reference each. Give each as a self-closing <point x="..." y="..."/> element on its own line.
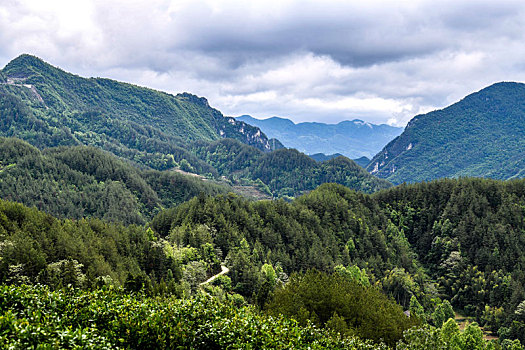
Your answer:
<point x="362" y="161"/>
<point x="457" y="239"/>
<point x="483" y="135"/>
<point x="284" y="172"/>
<point x="321" y="157"/>
<point x="47" y="106"/>
<point x="353" y="139"/>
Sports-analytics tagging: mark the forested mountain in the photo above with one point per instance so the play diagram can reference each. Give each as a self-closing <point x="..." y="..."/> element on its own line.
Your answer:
<point x="284" y="172"/>
<point x="467" y="234"/>
<point x="117" y="247"/>
<point x="78" y="181"/>
<point x="353" y="139"/>
<point x="47" y="106"/>
<point x="362" y="162"/>
<point x="482" y="135"/>
<point x="321" y="157"/>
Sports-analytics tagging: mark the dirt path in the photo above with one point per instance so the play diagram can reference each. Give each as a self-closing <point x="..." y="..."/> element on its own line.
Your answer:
<point x="19" y="81"/>
<point x="224" y="270"/>
<point x="462" y="322"/>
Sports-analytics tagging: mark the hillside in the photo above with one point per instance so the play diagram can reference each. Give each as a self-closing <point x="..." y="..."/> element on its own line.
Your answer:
<point x="353" y="139"/>
<point x="467" y="234"/>
<point x="47" y="106"/>
<point x="284" y="172"/>
<point x="361" y="247"/>
<point x="482" y="135"/>
<point x="78" y="181"/>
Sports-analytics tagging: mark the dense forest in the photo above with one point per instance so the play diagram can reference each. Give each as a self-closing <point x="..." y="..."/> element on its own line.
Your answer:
<point x="284" y="173"/>
<point x="483" y="135"/>
<point x="318" y="260"/>
<point x="77" y="181"/>
<point x="109" y="239"/>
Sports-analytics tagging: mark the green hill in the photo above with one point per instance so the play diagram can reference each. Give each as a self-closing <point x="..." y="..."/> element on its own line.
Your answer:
<point x="79" y="181"/>
<point x="285" y="172"/>
<point x="47" y="106"/>
<point x="466" y="234"/>
<point x="482" y="135"/>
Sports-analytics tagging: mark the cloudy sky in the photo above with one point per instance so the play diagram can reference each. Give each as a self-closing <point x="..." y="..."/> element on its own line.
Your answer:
<point x="380" y="61"/>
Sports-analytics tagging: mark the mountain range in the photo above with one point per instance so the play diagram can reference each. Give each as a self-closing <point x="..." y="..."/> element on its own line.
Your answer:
<point x="48" y="107"/>
<point x="128" y="216"/>
<point x="483" y="135"/>
<point x="53" y="107"/>
<point x="353" y="139"/>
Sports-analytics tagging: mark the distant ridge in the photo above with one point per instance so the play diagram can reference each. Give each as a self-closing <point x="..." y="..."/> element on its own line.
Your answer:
<point x="352" y="139"/>
<point x="483" y="135"/>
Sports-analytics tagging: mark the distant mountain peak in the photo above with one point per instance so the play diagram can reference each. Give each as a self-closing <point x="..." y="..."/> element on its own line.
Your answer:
<point x="353" y="139"/>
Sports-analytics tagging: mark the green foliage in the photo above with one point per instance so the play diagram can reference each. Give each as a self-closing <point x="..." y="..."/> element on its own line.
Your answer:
<point x="35" y="247"/>
<point x="311" y="232"/>
<point x="353" y="273"/>
<point x="337" y="302"/>
<point x="285" y="172"/>
<point x="468" y="233"/>
<point x="76" y="182"/>
<point x="32" y="317"/>
<point x="157" y="130"/>
<point x="483" y="135"/>
<point x="449" y="337"/>
<point x="147" y="126"/>
<point x="415" y="308"/>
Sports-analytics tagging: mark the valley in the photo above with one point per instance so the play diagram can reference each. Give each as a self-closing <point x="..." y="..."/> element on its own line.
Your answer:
<point x="134" y="218"/>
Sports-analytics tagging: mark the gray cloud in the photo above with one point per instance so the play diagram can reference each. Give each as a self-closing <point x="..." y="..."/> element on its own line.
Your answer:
<point x="308" y="60"/>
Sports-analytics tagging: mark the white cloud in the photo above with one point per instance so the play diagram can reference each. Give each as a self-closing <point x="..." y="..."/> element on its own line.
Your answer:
<point x="381" y="61"/>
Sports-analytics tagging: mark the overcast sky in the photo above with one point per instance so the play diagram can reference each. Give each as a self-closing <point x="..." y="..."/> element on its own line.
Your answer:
<point x="380" y="61"/>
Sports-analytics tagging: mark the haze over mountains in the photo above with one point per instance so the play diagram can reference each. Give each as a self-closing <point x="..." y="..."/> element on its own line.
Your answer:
<point x="353" y="139"/>
<point x="483" y="135"/>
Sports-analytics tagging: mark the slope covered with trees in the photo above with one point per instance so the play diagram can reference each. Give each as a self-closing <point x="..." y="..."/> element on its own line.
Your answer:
<point x="421" y="245"/>
<point x="482" y="135"/>
<point x="467" y="235"/>
<point x="470" y="234"/>
<point x="285" y="172"/>
<point x="47" y="106"/>
<point x="78" y="181"/>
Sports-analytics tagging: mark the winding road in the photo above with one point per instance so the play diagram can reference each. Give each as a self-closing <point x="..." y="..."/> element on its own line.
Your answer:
<point x="224" y="270"/>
